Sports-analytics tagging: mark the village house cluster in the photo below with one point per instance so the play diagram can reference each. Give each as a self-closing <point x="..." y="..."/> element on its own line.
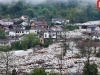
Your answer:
<point x="90" y="26"/>
<point x="16" y="28"/>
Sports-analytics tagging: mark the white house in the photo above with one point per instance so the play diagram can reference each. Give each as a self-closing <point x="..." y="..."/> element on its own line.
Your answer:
<point x="59" y="21"/>
<point x="18" y="32"/>
<point x="33" y="30"/>
<point x="50" y="34"/>
<point x="9" y="23"/>
<point x="2" y="22"/>
<point x="56" y="28"/>
<point x="36" y="29"/>
<point x="93" y="28"/>
<point x="24" y="17"/>
<point x="6" y="22"/>
<point x="55" y="34"/>
<point x="24" y="23"/>
<point x="89" y="23"/>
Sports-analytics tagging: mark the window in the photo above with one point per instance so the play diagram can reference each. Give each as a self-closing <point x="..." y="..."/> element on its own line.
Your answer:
<point x="45" y="35"/>
<point x="53" y="34"/>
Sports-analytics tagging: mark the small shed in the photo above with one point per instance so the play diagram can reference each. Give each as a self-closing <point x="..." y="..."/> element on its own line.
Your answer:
<point x="92" y="28"/>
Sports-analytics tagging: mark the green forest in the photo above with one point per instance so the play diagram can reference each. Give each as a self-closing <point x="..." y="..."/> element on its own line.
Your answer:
<point x="74" y="10"/>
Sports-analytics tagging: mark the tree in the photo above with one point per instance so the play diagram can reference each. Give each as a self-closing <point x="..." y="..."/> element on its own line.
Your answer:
<point x="28" y="41"/>
<point x="65" y="42"/>
<point x="38" y="71"/>
<point x="77" y="11"/>
<point x="53" y="73"/>
<point x="70" y="27"/>
<point x="60" y="56"/>
<point x="95" y="44"/>
<point x="18" y="45"/>
<point x="86" y="47"/>
<point x="27" y="27"/>
<point x="82" y="51"/>
<point x="18" y="22"/>
<point x="24" y="44"/>
<point x="30" y="12"/>
<point x="90" y="69"/>
<point x="47" y="42"/>
<point x="7" y="59"/>
<point x="31" y="39"/>
<point x="13" y="72"/>
<point x="65" y="45"/>
<point x="2" y="34"/>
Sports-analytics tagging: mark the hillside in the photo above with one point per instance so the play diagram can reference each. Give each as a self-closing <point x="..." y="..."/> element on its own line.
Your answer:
<point x="76" y="11"/>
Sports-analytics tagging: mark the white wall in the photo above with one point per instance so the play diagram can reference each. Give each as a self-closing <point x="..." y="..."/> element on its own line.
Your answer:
<point x="88" y="29"/>
<point x="33" y="31"/>
<point x="97" y="28"/>
<point x="26" y="32"/>
<point x="50" y="35"/>
<point x="12" y="33"/>
<point x="46" y="35"/>
<point x="18" y="33"/>
<point x="53" y="35"/>
<point x="24" y="23"/>
<point x="8" y="23"/>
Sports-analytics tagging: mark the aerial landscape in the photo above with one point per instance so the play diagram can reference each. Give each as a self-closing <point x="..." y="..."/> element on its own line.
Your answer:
<point x="49" y="37"/>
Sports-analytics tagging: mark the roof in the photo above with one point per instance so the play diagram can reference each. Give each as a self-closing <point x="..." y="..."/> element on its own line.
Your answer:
<point x="25" y="16"/>
<point x="2" y="41"/>
<point x="16" y="19"/>
<point x="92" y="26"/>
<point x="37" y="28"/>
<point x="11" y="25"/>
<point x="40" y="23"/>
<point x="89" y="23"/>
<point x="7" y="20"/>
<point x="57" y="19"/>
<point x="57" y="27"/>
<point x="49" y="30"/>
<point x="17" y="29"/>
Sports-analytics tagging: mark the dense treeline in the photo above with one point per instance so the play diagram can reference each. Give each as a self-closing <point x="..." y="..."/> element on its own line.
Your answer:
<point x="75" y="10"/>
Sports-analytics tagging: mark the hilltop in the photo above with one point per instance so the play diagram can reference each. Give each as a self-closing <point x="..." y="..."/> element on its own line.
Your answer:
<point x="76" y="11"/>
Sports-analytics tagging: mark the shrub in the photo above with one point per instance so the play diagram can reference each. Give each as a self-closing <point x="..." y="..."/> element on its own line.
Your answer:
<point x="13" y="72"/>
<point x="70" y="27"/>
<point x="38" y="71"/>
<point x="47" y="42"/>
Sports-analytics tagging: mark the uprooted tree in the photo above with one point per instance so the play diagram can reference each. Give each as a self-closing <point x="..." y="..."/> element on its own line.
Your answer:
<point x="6" y="59"/>
<point x="86" y="48"/>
